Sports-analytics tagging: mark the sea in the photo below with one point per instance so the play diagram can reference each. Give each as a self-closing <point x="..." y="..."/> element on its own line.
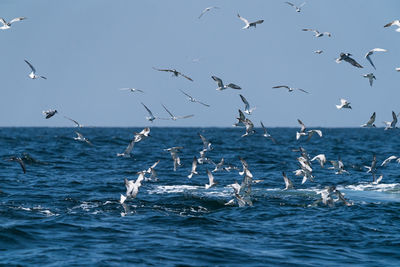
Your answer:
<point x="65" y="210"/>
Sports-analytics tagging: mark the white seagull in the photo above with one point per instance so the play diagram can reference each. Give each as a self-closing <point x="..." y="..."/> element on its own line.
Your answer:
<point x="175" y="73"/>
<point x="318" y="51"/>
<point x="371" y="121"/>
<point x="7" y="25"/>
<point x="321" y="159"/>
<point x="250" y="24"/>
<point x="343" y="104"/>
<point x="221" y="85"/>
<point x="370" y="77"/>
<point x="247" y="108"/>
<point x="80" y="137"/>
<point x="194" y="166"/>
<point x="346" y="57"/>
<point x="151" y="170"/>
<point x="370" y="52"/>
<point x="266" y="134"/>
<point x="392" y="124"/>
<point x="211" y="181"/>
<point x="173" y="117"/>
<point x="317" y="33"/>
<point x="151" y="117"/>
<point x="132" y="188"/>
<point x="395" y="23"/>
<point x="74" y="121"/>
<point x="298" y="8"/>
<point x="207" y="9"/>
<point x="288" y="182"/>
<point x="33" y="75"/>
<point x="389" y="159"/>
<point x="131" y="90"/>
<point x="290" y="89"/>
<point x="191" y="99"/>
<point x="249" y="127"/>
<point x="206" y="144"/>
<point x="128" y="150"/>
<point x="240" y="120"/>
<point x="49" y="113"/>
<point x="174" y="154"/>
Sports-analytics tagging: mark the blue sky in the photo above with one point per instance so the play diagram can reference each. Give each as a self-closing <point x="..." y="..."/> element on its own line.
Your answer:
<point x="89" y="49"/>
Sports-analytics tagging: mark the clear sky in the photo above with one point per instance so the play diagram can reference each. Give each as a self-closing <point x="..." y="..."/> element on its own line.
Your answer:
<point x="90" y="49"/>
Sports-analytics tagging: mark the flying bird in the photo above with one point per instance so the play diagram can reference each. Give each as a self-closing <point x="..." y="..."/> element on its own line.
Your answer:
<point x="49" y="113"/>
<point x="151" y="117"/>
<point x="249" y="127"/>
<point x="206" y="144"/>
<point x="370" y="77"/>
<point x="77" y="124"/>
<point x="288" y="182"/>
<point x="131" y="90"/>
<point x="397" y="69"/>
<point x="250" y="24"/>
<point x="266" y="134"/>
<point x="290" y="89"/>
<point x="371" y="121"/>
<point x="343" y="104"/>
<point x="240" y="120"/>
<point x="191" y="99"/>
<point x="211" y="181"/>
<point x="318" y="51"/>
<point x="174" y="155"/>
<point x="151" y="170"/>
<point x="175" y="73"/>
<point x="346" y="57"/>
<point x="33" y="75"/>
<point x="247" y="108"/>
<point x="20" y="161"/>
<point x="317" y="33"/>
<point x="392" y="124"/>
<point x="194" y="166"/>
<point x="298" y="8"/>
<point x="321" y="159"/>
<point x="207" y="9"/>
<point x="388" y="160"/>
<point x="173" y="117"/>
<point x="221" y="85"/>
<point x="132" y="188"/>
<point x="395" y="23"/>
<point x="80" y="137"/>
<point x="7" y="25"/>
<point x="370" y="52"/>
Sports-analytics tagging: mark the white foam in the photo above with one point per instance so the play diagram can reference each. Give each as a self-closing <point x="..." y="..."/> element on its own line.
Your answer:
<point x="167" y="189"/>
<point x="393" y="188"/>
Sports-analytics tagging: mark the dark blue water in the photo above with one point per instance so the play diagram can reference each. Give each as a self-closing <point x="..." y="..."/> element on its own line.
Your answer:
<point x="65" y="210"/>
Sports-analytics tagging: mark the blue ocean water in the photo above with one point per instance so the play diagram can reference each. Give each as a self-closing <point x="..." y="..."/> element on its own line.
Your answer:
<point x="65" y="210"/>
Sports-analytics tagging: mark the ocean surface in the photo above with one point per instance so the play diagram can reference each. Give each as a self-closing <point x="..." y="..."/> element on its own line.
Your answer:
<point x="65" y="210"/>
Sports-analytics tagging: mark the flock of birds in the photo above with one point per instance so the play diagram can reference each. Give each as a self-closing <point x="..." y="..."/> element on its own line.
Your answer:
<point x="241" y="192"/>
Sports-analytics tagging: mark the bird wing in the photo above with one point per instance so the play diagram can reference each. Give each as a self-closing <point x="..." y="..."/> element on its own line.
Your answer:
<point x="234" y="86"/>
<point x="246" y="103"/>
<point x="378" y="50"/>
<point x="281" y="86"/>
<point x="218" y="80"/>
<point x="265" y="130"/>
<point x="187" y="77"/>
<point x="185" y="117"/>
<point x="74" y="121"/>
<point x="394" y="119"/>
<point x="290" y="4"/>
<point x="367" y="56"/>
<point x="168" y="111"/>
<point x="258" y="21"/>
<point x="372" y="118"/>
<point x="243" y="19"/>
<point x="391" y="23"/>
<point x="129" y="148"/>
<point x="353" y="62"/>
<point x="304" y="91"/>
<point x="204" y="104"/>
<point x="186" y="94"/>
<point x="17" y="19"/>
<point x="3" y="21"/>
<point x="242" y="117"/>
<point x="194" y="164"/>
<point x="30" y="65"/>
<point x="302" y="4"/>
<point x="204" y="11"/>
<point x="168" y="70"/>
<point x="303" y="127"/>
<point x="210" y="177"/>
<point x="148" y="110"/>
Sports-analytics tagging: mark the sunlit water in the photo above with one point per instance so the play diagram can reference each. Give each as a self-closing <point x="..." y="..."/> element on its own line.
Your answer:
<point x="65" y="210"/>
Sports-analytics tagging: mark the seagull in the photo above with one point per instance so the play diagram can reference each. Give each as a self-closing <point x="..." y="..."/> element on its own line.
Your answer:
<point x="240" y="119"/>
<point x="131" y="90"/>
<point x="338" y="166"/>
<point x="221" y="85"/>
<point x="141" y="135"/>
<point x="266" y="134"/>
<point x="392" y="124"/>
<point x="378" y="180"/>
<point x="370" y="77"/>
<point x="194" y="166"/>
<point x="74" y="121"/>
<point x="302" y="129"/>
<point x="372" y="169"/>
<point x="321" y="159"/>
<point x="250" y="24"/>
<point x="153" y="173"/>
<point x="174" y="154"/>
<point x="175" y="73"/>
<point x="346" y="57"/>
<point x="219" y="166"/>
<point x="395" y="23"/>
<point x="298" y="8"/>
<point x="49" y="113"/>
<point x="318" y="51"/>
<point x="397" y="69"/>
<point x="290" y="89"/>
<point x="343" y="104"/>
<point x="206" y="144"/>
<point x="389" y="159"/>
<point x="20" y="161"/>
<point x="317" y="33"/>
<point x="174" y="118"/>
<point x="207" y="9"/>
<point x="371" y="121"/>
<point x="7" y="25"/>
<point x="370" y="52"/>
<point x="151" y="117"/>
<point x="312" y="132"/>
<point x="132" y="188"/>
<point x="128" y="150"/>
<point x="249" y="127"/>
<point x="191" y="99"/>
<point x="288" y="182"/>
<point x="247" y="108"/>
<point x="80" y="137"/>
<point x="33" y="75"/>
<point x="211" y="181"/>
